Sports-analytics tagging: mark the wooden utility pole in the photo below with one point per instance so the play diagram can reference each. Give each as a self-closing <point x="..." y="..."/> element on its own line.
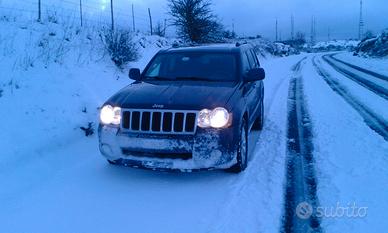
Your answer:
<point x="292" y="27"/>
<point x="149" y="13"/>
<point x="165" y="27"/>
<point x="276" y="30"/>
<point x="39" y="11"/>
<point x="80" y="12"/>
<point x="233" y="30"/>
<point x="361" y="24"/>
<point x="133" y="19"/>
<point x="111" y="12"/>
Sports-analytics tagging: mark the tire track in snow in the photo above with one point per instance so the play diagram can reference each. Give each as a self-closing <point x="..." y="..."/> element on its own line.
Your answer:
<point x="379" y="89"/>
<point x="377" y="75"/>
<point x="279" y="85"/>
<point x="373" y="120"/>
<point x="301" y="185"/>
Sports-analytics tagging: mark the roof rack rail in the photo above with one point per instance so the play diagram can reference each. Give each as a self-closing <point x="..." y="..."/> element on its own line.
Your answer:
<point x="183" y="45"/>
<point x="238" y="44"/>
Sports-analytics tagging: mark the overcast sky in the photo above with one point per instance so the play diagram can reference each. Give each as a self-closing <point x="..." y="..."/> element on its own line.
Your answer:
<point x="253" y="17"/>
<point x="250" y="17"/>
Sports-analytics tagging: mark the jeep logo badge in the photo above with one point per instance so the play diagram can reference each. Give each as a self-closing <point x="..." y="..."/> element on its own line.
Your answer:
<point x="158" y="106"/>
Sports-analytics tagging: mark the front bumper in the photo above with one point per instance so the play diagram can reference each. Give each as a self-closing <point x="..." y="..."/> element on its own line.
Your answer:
<point x="207" y="149"/>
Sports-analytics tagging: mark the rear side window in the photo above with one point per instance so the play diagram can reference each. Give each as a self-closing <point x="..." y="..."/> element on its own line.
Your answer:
<point x="252" y="59"/>
<point x="246" y="64"/>
<point x="255" y="58"/>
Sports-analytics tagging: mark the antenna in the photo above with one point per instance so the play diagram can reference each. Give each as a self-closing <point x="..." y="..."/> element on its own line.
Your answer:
<point x="361" y="24"/>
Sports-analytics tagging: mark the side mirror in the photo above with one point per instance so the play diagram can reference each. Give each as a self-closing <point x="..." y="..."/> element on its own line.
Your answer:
<point x="256" y="74"/>
<point x="134" y="74"/>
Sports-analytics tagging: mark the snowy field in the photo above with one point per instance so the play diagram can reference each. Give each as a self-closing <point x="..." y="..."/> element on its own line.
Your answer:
<point x="53" y="179"/>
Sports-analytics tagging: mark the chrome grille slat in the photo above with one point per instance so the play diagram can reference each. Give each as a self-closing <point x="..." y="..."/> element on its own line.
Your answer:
<point x="173" y="122"/>
<point x="141" y="121"/>
<point x="182" y="122"/>
<point x="161" y="122"/>
<point x="151" y="121"/>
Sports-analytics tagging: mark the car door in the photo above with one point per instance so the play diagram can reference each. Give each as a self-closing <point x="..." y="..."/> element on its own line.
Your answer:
<point x="259" y="84"/>
<point x="256" y="96"/>
<point x="250" y="92"/>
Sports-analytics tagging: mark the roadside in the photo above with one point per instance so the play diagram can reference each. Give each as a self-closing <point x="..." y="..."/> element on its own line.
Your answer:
<point x="350" y="158"/>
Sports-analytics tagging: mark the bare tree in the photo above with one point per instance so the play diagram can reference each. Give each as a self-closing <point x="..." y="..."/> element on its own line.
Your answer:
<point x="159" y="30"/>
<point x="195" y="21"/>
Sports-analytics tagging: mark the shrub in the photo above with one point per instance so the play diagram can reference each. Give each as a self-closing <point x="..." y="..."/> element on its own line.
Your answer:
<point x="120" y="46"/>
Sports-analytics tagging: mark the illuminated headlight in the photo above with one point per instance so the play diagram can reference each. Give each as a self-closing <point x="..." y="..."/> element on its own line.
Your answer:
<point x="218" y="118"/>
<point x="110" y="115"/>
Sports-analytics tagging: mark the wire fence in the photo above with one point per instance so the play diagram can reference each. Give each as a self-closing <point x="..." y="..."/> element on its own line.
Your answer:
<point x="94" y="12"/>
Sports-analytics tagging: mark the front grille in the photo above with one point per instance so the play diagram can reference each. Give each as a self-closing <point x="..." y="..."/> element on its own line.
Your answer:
<point x="159" y="121"/>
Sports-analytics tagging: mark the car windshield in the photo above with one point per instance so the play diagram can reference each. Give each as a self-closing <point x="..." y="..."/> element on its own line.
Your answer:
<point x="194" y="66"/>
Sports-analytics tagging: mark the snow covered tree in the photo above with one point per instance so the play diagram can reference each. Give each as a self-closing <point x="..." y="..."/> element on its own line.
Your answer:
<point x="195" y="21"/>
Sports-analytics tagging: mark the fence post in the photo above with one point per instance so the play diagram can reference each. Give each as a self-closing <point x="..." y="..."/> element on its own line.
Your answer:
<point x="39" y="11"/>
<point x="111" y="12"/>
<point x="133" y="19"/>
<point x="80" y="11"/>
<point x="149" y="13"/>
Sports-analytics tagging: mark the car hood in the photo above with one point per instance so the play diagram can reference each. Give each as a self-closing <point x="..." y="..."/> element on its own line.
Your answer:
<point x="174" y="95"/>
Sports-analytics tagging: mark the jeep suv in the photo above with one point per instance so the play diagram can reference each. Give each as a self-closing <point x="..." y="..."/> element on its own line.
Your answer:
<point x="192" y="108"/>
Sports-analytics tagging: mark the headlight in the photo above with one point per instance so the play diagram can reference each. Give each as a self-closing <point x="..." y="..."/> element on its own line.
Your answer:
<point x="218" y="118"/>
<point x="110" y="115"/>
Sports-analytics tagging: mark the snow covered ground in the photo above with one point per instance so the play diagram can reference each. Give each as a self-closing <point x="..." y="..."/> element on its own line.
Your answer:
<point x="379" y="65"/>
<point x="351" y="159"/>
<point x="52" y="178"/>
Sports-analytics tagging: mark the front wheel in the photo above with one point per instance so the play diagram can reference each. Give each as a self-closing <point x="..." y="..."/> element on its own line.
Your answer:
<point x="242" y="153"/>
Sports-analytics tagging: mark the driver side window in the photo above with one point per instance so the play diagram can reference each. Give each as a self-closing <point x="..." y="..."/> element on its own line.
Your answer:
<point x="154" y="70"/>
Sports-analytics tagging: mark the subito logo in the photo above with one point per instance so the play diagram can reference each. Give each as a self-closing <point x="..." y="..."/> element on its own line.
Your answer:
<point x="304" y="210"/>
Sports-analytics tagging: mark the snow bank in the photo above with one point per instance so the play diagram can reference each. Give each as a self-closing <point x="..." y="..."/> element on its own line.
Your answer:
<point x="375" y="47"/>
<point x="54" y="77"/>
<point x="265" y="48"/>
<point x="334" y="45"/>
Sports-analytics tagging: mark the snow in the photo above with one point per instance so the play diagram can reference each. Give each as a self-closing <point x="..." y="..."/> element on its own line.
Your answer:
<point x="53" y="178"/>
<point x="375" y="102"/>
<point x="335" y="44"/>
<point x="378" y="65"/>
<point x="350" y="158"/>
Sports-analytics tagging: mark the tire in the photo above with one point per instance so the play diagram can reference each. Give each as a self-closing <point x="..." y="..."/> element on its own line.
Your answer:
<point x="112" y="162"/>
<point x="259" y="122"/>
<point x="242" y="153"/>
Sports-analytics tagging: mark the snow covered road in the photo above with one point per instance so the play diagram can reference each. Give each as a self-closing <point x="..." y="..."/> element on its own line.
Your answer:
<point x="60" y="183"/>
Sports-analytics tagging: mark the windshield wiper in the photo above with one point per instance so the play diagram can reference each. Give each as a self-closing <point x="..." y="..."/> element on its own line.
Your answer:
<point x="159" y="78"/>
<point x="193" y="78"/>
